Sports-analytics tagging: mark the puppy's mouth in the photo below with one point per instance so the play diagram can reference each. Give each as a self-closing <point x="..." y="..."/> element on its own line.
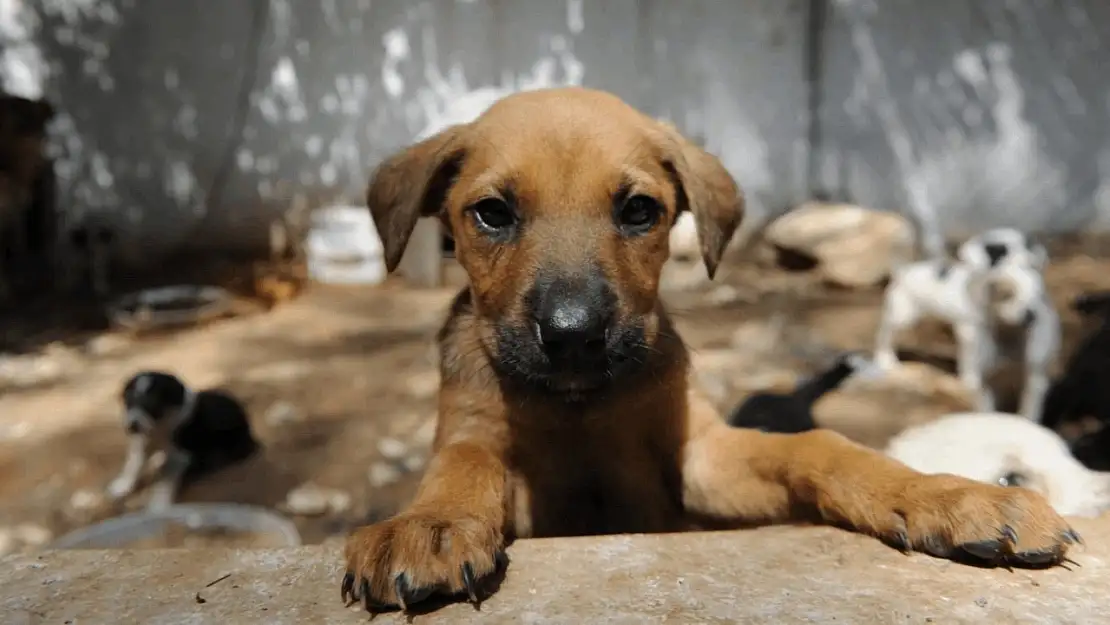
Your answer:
<point x="518" y="355"/>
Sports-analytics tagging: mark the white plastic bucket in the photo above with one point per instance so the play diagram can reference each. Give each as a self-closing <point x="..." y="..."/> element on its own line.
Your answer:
<point x="342" y="247"/>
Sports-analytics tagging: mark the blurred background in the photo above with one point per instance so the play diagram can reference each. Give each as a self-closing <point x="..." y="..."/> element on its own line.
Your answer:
<point x="210" y="148"/>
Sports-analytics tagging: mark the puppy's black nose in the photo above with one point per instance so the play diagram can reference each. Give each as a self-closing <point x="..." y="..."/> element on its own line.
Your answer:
<point x="572" y="320"/>
<point x="995" y="252"/>
<point x="132" y="427"/>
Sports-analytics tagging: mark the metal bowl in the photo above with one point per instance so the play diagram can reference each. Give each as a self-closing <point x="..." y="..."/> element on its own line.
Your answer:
<point x="123" y="531"/>
<point x="168" y="306"/>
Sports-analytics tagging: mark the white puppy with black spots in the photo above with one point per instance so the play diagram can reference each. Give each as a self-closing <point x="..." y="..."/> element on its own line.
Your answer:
<point x="995" y="282"/>
<point x="200" y="432"/>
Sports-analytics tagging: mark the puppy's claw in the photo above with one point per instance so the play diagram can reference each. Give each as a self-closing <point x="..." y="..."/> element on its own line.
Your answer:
<point x="401" y="589"/>
<point x="935" y="547"/>
<point x="984" y="549"/>
<point x="1009" y="536"/>
<point x="468" y="582"/>
<point x="364" y="591"/>
<point x="1072" y="537"/>
<point x="407" y="594"/>
<point x="346" y="589"/>
<point x="901" y="541"/>
<point x="1040" y="558"/>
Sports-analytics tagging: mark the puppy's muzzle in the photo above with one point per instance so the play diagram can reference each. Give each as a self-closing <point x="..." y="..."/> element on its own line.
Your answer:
<point x="572" y="321"/>
<point x="136" y="421"/>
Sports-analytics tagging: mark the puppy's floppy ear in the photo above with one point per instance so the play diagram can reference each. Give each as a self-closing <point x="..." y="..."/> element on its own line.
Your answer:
<point x="707" y="190"/>
<point x="412" y="183"/>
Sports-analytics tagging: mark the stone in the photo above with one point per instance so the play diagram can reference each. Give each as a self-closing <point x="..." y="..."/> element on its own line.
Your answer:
<point x="33" y="369"/>
<point x="310" y="499"/>
<point x="853" y="246"/>
<point x="8" y="542"/>
<point x="281" y="413"/>
<point x="383" y="474"/>
<point x="84" y="500"/>
<point x="425" y="434"/>
<point x="768" y="575"/>
<point x="392" y="448"/>
<point x="107" y="345"/>
<point x="423" y="385"/>
<point x="338" y="502"/>
<point x="32" y="535"/>
<point x="684" y="243"/>
<point x="414" y="462"/>
<point x="680" y="277"/>
<point x="728" y="294"/>
<point x="279" y="371"/>
<point x="758" y="337"/>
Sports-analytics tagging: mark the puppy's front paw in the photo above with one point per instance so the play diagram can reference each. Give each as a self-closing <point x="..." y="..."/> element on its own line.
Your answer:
<point x="411" y="557"/>
<point x="952" y="517"/>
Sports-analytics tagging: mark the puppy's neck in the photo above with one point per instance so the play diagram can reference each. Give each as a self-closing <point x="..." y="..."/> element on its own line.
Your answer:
<point x="185" y="413"/>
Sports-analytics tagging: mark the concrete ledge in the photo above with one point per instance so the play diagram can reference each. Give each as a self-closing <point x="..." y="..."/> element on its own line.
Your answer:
<point x="772" y="575"/>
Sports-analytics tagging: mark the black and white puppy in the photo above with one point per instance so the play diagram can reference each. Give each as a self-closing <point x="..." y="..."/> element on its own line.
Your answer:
<point x="994" y="284"/>
<point x="199" y="431"/>
<point x="792" y="413"/>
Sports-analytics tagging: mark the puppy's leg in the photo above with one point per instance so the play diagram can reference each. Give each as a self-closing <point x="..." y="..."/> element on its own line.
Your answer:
<point x="972" y="351"/>
<point x="450" y="537"/>
<point x="164" y="491"/>
<point x="748" y="476"/>
<point x="124" y="483"/>
<point x="1032" y="396"/>
<point x="899" y="312"/>
<point x="1041" y="346"/>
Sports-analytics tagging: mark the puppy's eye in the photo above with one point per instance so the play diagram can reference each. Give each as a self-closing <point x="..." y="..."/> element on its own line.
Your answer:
<point x="639" y="214"/>
<point x="493" y="216"/>
<point x="1013" y="479"/>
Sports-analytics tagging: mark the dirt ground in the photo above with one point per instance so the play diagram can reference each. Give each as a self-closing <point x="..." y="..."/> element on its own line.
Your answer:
<point x="340" y="383"/>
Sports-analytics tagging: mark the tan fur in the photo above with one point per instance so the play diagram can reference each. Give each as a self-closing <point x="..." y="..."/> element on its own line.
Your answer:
<point x="651" y="455"/>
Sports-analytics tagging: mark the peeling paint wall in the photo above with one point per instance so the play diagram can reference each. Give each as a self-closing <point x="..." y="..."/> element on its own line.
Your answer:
<point x="969" y="114"/>
<point x="189" y="127"/>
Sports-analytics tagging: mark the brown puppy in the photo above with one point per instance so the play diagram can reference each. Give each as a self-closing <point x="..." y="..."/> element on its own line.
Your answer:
<point x="566" y="406"/>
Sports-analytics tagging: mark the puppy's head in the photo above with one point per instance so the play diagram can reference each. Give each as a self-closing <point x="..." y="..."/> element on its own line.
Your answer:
<point x="1001" y="246"/>
<point x="1008" y="450"/>
<point x="1014" y="292"/>
<point x="152" y="401"/>
<point x="560" y="202"/>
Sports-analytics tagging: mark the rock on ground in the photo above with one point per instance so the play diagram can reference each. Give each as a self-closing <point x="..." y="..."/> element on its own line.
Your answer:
<point x="853" y="246"/>
<point x="779" y="575"/>
<point x="310" y="499"/>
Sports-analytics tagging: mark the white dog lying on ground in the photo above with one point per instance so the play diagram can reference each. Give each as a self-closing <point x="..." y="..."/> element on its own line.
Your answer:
<point x="995" y="281"/>
<point x="1005" y="449"/>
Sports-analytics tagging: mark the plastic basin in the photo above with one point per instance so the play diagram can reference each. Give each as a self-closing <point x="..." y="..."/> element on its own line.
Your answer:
<point x="123" y="532"/>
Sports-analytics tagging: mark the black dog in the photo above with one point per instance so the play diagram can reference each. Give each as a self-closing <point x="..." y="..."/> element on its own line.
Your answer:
<point x="1082" y="390"/>
<point x="201" y="432"/>
<point x="792" y="413"/>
